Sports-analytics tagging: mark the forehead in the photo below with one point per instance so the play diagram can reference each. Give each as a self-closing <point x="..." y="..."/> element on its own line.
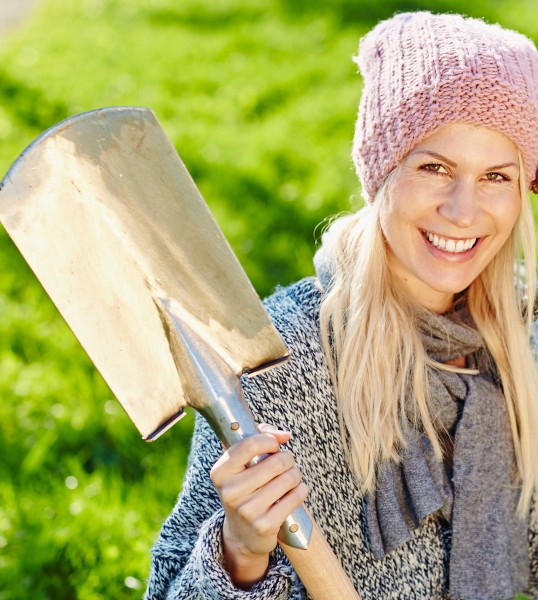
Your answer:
<point x="462" y="142"/>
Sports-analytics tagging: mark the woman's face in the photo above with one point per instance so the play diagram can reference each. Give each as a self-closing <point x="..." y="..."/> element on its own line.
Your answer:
<point x="453" y="203"/>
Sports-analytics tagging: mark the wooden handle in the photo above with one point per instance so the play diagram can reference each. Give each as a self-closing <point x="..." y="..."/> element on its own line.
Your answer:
<point x="319" y="569"/>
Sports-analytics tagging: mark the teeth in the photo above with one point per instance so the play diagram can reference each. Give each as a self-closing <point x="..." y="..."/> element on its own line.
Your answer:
<point x="450" y="245"/>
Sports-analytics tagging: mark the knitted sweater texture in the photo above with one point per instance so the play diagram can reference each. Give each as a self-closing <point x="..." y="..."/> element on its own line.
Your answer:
<point x="298" y="396"/>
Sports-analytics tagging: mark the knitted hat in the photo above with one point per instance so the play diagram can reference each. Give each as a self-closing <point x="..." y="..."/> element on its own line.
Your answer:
<point x="423" y="71"/>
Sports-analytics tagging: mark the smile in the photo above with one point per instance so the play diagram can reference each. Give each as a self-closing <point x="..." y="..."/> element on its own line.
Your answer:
<point x="449" y="244"/>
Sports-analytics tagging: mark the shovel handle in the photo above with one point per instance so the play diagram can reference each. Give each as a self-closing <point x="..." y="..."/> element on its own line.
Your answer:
<point x="222" y="403"/>
<point x="319" y="569"/>
<point x="315" y="563"/>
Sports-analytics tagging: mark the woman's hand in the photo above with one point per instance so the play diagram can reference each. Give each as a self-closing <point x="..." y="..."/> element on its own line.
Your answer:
<point x="256" y="501"/>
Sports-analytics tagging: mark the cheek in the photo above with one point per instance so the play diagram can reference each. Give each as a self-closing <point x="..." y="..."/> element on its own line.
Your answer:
<point x="394" y="220"/>
<point x="507" y="214"/>
<point x="387" y="228"/>
<point x="516" y="212"/>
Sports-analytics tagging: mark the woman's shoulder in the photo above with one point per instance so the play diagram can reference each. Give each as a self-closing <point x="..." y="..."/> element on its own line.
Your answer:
<point x="294" y="309"/>
<point x="303" y="294"/>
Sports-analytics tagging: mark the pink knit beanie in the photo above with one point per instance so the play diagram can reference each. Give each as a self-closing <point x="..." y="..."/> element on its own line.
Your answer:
<point x="422" y="71"/>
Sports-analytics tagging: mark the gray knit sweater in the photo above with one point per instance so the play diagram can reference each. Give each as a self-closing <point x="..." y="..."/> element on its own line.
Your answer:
<point x="298" y="397"/>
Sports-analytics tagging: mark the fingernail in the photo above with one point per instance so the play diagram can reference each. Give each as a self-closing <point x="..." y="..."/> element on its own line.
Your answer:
<point x="267" y="428"/>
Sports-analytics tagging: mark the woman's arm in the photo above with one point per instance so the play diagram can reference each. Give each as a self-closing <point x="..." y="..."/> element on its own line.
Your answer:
<point x="188" y="554"/>
<point x="533" y="548"/>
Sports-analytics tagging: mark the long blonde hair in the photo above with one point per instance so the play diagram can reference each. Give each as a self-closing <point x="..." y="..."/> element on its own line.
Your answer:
<point x="375" y="353"/>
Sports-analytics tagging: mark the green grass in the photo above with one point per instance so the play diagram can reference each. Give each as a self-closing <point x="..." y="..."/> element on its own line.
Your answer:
<point x="260" y="99"/>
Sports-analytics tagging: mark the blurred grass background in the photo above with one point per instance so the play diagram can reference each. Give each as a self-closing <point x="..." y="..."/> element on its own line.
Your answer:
<point x="260" y="101"/>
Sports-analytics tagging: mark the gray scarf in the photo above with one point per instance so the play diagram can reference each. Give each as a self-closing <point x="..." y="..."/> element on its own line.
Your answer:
<point x="478" y="495"/>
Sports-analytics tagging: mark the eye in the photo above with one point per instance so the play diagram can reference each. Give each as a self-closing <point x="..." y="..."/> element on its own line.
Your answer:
<point x="433" y="169"/>
<point x="497" y="177"/>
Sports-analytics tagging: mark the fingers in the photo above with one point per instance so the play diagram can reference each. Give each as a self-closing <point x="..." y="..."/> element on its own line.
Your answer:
<point x="270" y="505"/>
<point x="282" y="509"/>
<point x="238" y="456"/>
<point x="273" y="477"/>
<point x="257" y="499"/>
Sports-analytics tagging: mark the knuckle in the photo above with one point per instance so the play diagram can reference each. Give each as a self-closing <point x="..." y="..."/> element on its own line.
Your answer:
<point x="235" y="449"/>
<point x="280" y="463"/>
<point x="263" y="527"/>
<point x="252" y="445"/>
<point x="245" y="513"/>
<point x="227" y="498"/>
<point x="248" y="444"/>
<point x="291" y="478"/>
<point x="269" y="442"/>
<point x="286" y="459"/>
<point x="215" y="475"/>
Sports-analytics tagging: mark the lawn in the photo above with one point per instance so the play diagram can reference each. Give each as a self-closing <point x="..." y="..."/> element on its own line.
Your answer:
<point x="259" y="99"/>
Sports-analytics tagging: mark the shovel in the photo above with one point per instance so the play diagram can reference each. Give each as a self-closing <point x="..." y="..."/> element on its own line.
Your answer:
<point x="108" y="218"/>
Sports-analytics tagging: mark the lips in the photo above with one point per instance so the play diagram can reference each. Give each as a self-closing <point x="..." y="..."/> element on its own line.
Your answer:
<point x="452" y="245"/>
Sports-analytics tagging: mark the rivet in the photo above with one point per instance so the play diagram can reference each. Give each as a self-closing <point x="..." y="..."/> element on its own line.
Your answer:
<point x="294" y="528"/>
<point x="234" y="426"/>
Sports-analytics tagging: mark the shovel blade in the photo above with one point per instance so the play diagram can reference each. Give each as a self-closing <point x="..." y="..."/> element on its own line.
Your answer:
<point x="108" y="218"/>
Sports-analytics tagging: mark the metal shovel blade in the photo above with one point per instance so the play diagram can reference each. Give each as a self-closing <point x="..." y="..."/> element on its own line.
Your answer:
<point x="107" y="216"/>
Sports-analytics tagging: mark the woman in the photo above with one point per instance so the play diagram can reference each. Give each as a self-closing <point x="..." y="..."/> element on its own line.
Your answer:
<point x="411" y="390"/>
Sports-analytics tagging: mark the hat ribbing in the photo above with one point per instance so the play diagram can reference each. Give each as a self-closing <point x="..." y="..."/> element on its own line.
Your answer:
<point x="422" y="71"/>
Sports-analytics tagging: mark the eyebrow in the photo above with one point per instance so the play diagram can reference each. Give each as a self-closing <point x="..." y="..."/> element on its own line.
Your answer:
<point x="453" y="164"/>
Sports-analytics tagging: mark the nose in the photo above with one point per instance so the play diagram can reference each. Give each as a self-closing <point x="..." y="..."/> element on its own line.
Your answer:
<point x="460" y="204"/>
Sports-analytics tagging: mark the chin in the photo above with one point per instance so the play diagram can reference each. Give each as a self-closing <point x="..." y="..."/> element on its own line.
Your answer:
<point x="450" y="289"/>
<point x="450" y="283"/>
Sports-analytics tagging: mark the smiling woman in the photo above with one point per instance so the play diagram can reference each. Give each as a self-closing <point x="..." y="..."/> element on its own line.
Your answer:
<point x="449" y="208"/>
<point x="411" y="388"/>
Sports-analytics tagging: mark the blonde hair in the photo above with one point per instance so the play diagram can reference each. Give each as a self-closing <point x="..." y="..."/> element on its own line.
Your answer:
<point x="375" y="353"/>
